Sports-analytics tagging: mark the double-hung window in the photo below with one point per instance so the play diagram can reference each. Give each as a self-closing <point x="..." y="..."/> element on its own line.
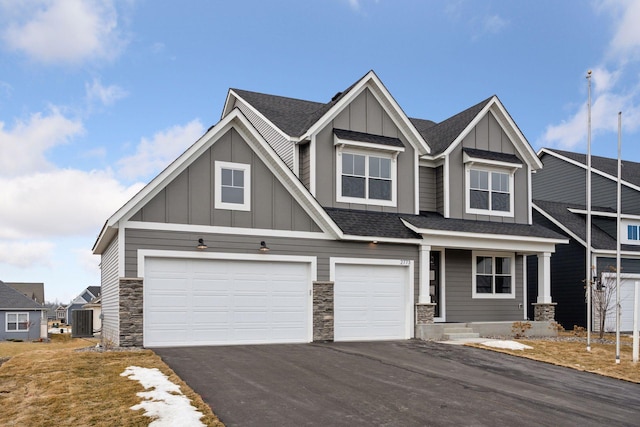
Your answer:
<point x="232" y="186"/>
<point x="366" y="178"/>
<point x="17" y="322"/>
<point x="489" y="191"/>
<point x="493" y="276"/>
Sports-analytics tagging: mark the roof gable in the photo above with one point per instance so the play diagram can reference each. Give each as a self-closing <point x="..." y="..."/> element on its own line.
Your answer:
<point x="11" y="299"/>
<point x="34" y="291"/>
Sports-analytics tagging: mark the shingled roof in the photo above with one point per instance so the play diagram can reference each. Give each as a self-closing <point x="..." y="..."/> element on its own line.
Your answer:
<point x="577" y="224"/>
<point x="11" y="299"/>
<point x="630" y="170"/>
<point x="367" y="223"/>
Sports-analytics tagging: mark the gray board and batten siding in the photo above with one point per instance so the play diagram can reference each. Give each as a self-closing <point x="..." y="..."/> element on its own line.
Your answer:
<point x="461" y="307"/>
<point x="189" y="198"/>
<point x="242" y="244"/>
<point x="364" y="114"/>
<point x="487" y="135"/>
<point x="561" y="181"/>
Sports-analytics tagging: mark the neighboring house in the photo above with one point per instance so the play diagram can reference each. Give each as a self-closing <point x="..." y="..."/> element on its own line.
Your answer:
<point x="95" y="305"/>
<point x="20" y="316"/>
<point x="34" y="291"/>
<point x="61" y="313"/>
<point x="294" y="221"/>
<point x="85" y="296"/>
<point x="559" y="192"/>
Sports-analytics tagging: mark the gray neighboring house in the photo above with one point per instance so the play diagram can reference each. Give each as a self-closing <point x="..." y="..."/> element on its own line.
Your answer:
<point x="293" y="221"/>
<point x="559" y="192"/>
<point x="34" y="291"/>
<point x="78" y="302"/>
<point x="20" y="316"/>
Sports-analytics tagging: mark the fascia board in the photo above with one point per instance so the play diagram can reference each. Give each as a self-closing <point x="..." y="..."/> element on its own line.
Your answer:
<point x="226" y="108"/>
<point x="259" y="114"/>
<point x="559" y="225"/>
<point x="381" y="239"/>
<point x="593" y="170"/>
<point x="604" y="214"/>
<point x="391" y="107"/>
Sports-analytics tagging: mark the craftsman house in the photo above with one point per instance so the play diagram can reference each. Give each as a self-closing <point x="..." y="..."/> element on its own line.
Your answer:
<point x="294" y="221"/>
<point x="563" y="208"/>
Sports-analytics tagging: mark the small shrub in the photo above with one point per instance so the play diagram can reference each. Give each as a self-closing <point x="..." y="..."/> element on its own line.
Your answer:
<point x="519" y="329"/>
<point x="555" y="326"/>
<point x="579" y="331"/>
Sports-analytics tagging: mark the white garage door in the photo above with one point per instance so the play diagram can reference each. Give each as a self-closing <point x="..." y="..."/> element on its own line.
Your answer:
<point x="218" y="302"/>
<point x="626" y="307"/>
<point x="371" y="302"/>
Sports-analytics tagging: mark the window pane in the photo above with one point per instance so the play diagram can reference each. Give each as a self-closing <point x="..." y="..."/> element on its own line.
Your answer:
<point x="227" y="176"/>
<point x="238" y="178"/>
<point x="483" y="284"/>
<point x="632" y="232"/>
<point x="483" y="265"/>
<point x="347" y="163"/>
<point x="358" y="165"/>
<point x="479" y="179"/>
<point x="352" y="186"/>
<point x="479" y="199"/>
<point x="500" y="182"/>
<point x="380" y="189"/>
<point x="503" y="265"/>
<point x="500" y="202"/>
<point x="503" y="284"/>
<point x="385" y="168"/>
<point x="475" y="178"/>
<point x="374" y="167"/>
<point x="232" y="195"/>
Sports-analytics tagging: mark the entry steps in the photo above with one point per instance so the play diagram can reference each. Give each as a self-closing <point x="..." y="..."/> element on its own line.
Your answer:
<point x="453" y="333"/>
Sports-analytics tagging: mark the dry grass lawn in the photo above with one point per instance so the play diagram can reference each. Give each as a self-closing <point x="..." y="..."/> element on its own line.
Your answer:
<point x="44" y="384"/>
<point x="573" y="354"/>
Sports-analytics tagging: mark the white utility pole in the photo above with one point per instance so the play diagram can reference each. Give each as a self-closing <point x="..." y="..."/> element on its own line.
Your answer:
<point x="589" y="274"/>
<point x="619" y="210"/>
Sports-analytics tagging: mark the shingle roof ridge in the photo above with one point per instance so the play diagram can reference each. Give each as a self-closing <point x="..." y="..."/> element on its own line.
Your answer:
<point x="241" y="91"/>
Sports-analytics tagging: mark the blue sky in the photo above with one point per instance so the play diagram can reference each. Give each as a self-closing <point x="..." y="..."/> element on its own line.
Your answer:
<point x="98" y="96"/>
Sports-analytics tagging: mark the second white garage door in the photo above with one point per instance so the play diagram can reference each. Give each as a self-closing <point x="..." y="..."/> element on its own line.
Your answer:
<point x="371" y="302"/>
<point x="218" y="302"/>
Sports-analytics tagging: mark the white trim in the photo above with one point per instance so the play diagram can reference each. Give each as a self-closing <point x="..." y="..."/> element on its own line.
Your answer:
<point x="368" y="146"/>
<point x="559" y="225"/>
<point x="525" y="284"/>
<point x="121" y="250"/>
<point x="246" y="197"/>
<point x="443" y="282"/>
<point x="493" y="255"/>
<point x="529" y="195"/>
<point x="446" y="191"/>
<point x="604" y="214"/>
<point x="17" y="322"/>
<point x="487" y="163"/>
<point x="257" y="113"/>
<point x="593" y="170"/>
<point x="624" y="232"/>
<point x="490" y="171"/>
<point x="408" y="263"/>
<point x="312" y="166"/>
<point x="393" y="166"/>
<point x="416" y="184"/>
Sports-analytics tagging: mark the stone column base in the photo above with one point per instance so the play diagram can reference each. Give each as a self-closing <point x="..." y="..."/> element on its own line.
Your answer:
<point x="425" y="313"/>
<point x="131" y="312"/>
<point x="323" y="311"/>
<point x="544" y="311"/>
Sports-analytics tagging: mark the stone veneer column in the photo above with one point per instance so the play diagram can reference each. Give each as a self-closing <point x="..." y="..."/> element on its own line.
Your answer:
<point x="544" y="312"/>
<point x="323" y="311"/>
<point x="131" y="312"/>
<point x="425" y="313"/>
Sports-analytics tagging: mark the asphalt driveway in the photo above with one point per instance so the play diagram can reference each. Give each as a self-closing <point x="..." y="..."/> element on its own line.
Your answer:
<point x="401" y="383"/>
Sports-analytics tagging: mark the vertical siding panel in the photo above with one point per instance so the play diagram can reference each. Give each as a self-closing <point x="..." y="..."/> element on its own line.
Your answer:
<point x="374" y="114"/>
<point x="482" y="140"/>
<point x="200" y="190"/>
<point x="178" y="199"/>
<point x="109" y="282"/>
<point x="427" y="189"/>
<point x="358" y="113"/>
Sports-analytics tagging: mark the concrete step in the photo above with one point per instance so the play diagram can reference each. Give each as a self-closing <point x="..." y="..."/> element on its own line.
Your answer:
<point x="457" y="330"/>
<point x="459" y="336"/>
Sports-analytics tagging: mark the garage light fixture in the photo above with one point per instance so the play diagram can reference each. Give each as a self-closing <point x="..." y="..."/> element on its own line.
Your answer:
<point x="201" y="244"/>
<point x="263" y="247"/>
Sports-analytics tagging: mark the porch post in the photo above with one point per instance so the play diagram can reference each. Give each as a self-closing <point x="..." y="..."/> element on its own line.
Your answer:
<point x="544" y="278"/>
<point x="425" y="266"/>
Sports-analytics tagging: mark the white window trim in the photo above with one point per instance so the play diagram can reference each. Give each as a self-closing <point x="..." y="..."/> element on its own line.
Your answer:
<point x="467" y="189"/>
<point x="366" y="200"/>
<point x="6" y="325"/>
<point x="624" y="236"/>
<point x="219" y="204"/>
<point x="476" y="295"/>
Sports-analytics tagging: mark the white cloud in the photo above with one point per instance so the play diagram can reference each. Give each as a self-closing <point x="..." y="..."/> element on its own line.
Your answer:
<point x="63" y="31"/>
<point x="26" y="254"/>
<point x="494" y="24"/>
<point x="62" y="202"/>
<point x="88" y="261"/>
<point x="626" y="40"/>
<point x="106" y="95"/>
<point x="153" y="155"/>
<point x="23" y="147"/>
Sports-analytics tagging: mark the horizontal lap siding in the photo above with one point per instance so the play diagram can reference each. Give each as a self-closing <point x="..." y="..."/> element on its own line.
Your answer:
<point x="110" y="292"/>
<point x="461" y="307"/>
<point x="322" y="249"/>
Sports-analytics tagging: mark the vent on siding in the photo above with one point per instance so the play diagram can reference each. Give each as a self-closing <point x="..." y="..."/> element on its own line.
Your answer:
<point x="280" y="144"/>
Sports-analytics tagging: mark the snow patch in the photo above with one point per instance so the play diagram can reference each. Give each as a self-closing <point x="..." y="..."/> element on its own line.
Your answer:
<point x="163" y="399"/>
<point x="509" y="345"/>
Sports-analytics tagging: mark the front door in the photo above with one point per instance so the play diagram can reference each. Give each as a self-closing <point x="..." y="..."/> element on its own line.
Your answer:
<point x="434" y="281"/>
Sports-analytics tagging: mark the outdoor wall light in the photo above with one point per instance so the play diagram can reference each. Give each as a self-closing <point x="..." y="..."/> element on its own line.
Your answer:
<point x="263" y="247"/>
<point x="201" y="244"/>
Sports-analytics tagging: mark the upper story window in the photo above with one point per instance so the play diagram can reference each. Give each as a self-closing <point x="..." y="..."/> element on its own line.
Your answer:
<point x="633" y="232"/>
<point x="366" y="168"/>
<point x="489" y="182"/>
<point x="17" y="322"/>
<point x="233" y="186"/>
